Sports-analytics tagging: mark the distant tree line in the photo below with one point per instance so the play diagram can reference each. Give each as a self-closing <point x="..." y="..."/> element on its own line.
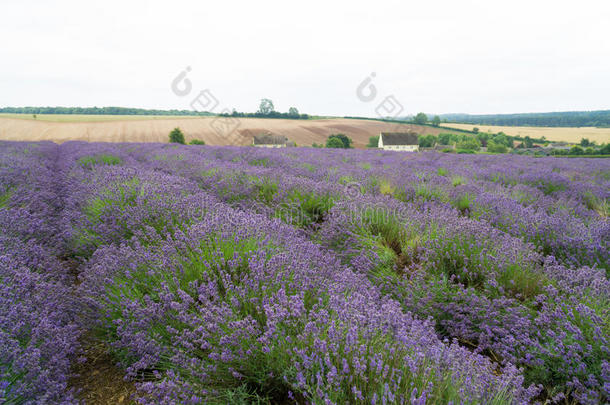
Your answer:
<point x="585" y="147"/>
<point x="98" y="111"/>
<point x="267" y="110"/>
<point x="495" y="143"/>
<point x="502" y="143"/>
<point x="480" y="139"/>
<point x="599" y="118"/>
<point x="579" y="151"/>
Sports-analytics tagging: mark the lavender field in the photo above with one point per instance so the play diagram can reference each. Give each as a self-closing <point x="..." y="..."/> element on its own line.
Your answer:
<point x="235" y="275"/>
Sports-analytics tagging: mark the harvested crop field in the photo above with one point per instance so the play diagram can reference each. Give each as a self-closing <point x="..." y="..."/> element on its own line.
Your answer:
<point x="557" y="134"/>
<point x="212" y="130"/>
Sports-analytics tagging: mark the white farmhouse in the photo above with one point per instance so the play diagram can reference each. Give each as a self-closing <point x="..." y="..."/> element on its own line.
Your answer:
<point x="270" y="141"/>
<point x="398" y="141"/>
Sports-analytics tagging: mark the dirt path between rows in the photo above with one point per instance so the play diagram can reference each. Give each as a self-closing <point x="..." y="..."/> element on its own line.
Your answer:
<point x="100" y="381"/>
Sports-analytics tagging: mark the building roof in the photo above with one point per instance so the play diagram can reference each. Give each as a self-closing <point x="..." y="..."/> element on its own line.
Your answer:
<point x="399" y="138"/>
<point x="269" y="139"/>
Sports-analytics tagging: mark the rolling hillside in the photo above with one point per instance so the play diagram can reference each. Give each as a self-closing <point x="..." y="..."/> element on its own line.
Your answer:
<point x="209" y="129"/>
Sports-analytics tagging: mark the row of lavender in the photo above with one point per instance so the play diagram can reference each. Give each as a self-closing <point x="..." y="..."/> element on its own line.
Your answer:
<point x="235" y="275"/>
<point x="38" y="331"/>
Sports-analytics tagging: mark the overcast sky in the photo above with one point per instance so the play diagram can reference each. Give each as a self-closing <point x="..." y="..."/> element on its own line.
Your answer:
<point x="438" y="56"/>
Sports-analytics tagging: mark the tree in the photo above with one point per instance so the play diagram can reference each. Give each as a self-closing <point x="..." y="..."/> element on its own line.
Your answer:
<point x="475" y="130"/>
<point x="293" y="112"/>
<point x="507" y="140"/>
<point x="266" y="107"/>
<point x="470" y="144"/>
<point x="196" y="142"/>
<point x="373" y="142"/>
<point x="334" y="142"/>
<point x="577" y="150"/>
<point x="445" y="139"/>
<point x="483" y="137"/>
<point x="436" y="121"/>
<point x="584" y="142"/>
<point x="427" y="141"/>
<point x="528" y="142"/>
<point x="345" y="140"/>
<point x="494" y="147"/>
<point x="420" y="118"/>
<point x="176" y="136"/>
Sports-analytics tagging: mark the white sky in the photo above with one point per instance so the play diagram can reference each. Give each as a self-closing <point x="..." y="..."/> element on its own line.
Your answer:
<point x="437" y="56"/>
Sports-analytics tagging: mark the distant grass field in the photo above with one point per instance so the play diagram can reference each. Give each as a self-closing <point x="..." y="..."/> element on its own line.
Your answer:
<point x="92" y="117"/>
<point x="574" y="135"/>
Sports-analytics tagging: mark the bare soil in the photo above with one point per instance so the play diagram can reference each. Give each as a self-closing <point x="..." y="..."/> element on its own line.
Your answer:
<point x="100" y="381"/>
